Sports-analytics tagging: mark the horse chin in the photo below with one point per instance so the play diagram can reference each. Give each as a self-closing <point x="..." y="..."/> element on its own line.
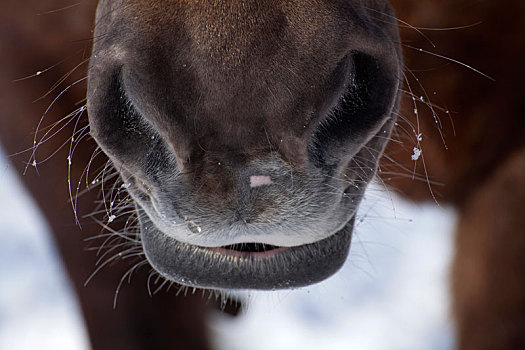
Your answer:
<point x="244" y="266"/>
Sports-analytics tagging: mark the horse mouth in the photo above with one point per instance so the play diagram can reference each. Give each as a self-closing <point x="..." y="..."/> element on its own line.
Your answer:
<point x="244" y="265"/>
<point x="249" y="250"/>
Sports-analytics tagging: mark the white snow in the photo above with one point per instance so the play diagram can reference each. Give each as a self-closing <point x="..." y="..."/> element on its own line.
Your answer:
<point x="417" y="153"/>
<point x="391" y="294"/>
<point x="37" y="309"/>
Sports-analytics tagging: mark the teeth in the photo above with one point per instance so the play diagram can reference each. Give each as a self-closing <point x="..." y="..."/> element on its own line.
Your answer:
<point x="251" y="247"/>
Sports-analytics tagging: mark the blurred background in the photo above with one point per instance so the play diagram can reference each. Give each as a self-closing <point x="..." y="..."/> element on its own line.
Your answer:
<point x="393" y="292"/>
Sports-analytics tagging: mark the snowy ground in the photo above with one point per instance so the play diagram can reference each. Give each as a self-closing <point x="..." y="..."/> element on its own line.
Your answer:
<point x="391" y="293"/>
<point x="37" y="310"/>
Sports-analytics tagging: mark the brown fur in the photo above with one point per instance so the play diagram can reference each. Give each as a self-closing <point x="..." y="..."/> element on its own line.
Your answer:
<point x="28" y="43"/>
<point x="481" y="173"/>
<point x="485" y="123"/>
<point x="488" y="279"/>
<point x="191" y="99"/>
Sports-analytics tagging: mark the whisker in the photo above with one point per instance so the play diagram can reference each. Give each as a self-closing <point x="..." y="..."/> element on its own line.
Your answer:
<point x="58" y="10"/>
<point x="127" y="274"/>
<point x="62" y="79"/>
<point x="451" y="60"/>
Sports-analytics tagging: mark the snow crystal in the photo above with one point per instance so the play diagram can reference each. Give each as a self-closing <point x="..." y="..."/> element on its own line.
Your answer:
<point x="417" y="153"/>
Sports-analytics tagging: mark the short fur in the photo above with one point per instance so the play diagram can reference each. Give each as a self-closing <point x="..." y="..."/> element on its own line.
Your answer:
<point x="192" y="99"/>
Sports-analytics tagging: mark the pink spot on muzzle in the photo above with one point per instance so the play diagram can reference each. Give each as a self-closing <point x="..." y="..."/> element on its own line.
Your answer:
<point x="260" y="180"/>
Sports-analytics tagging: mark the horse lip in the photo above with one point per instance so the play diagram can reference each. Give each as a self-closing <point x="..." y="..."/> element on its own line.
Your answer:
<point x="268" y="254"/>
<point x="185" y="230"/>
<point x="220" y="268"/>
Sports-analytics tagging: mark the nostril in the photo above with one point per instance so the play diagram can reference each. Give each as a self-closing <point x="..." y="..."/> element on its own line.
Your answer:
<point x="260" y="180"/>
<point x="363" y="107"/>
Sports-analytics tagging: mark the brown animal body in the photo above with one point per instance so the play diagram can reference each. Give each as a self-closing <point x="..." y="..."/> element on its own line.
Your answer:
<point x="224" y="104"/>
<point x="483" y="168"/>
